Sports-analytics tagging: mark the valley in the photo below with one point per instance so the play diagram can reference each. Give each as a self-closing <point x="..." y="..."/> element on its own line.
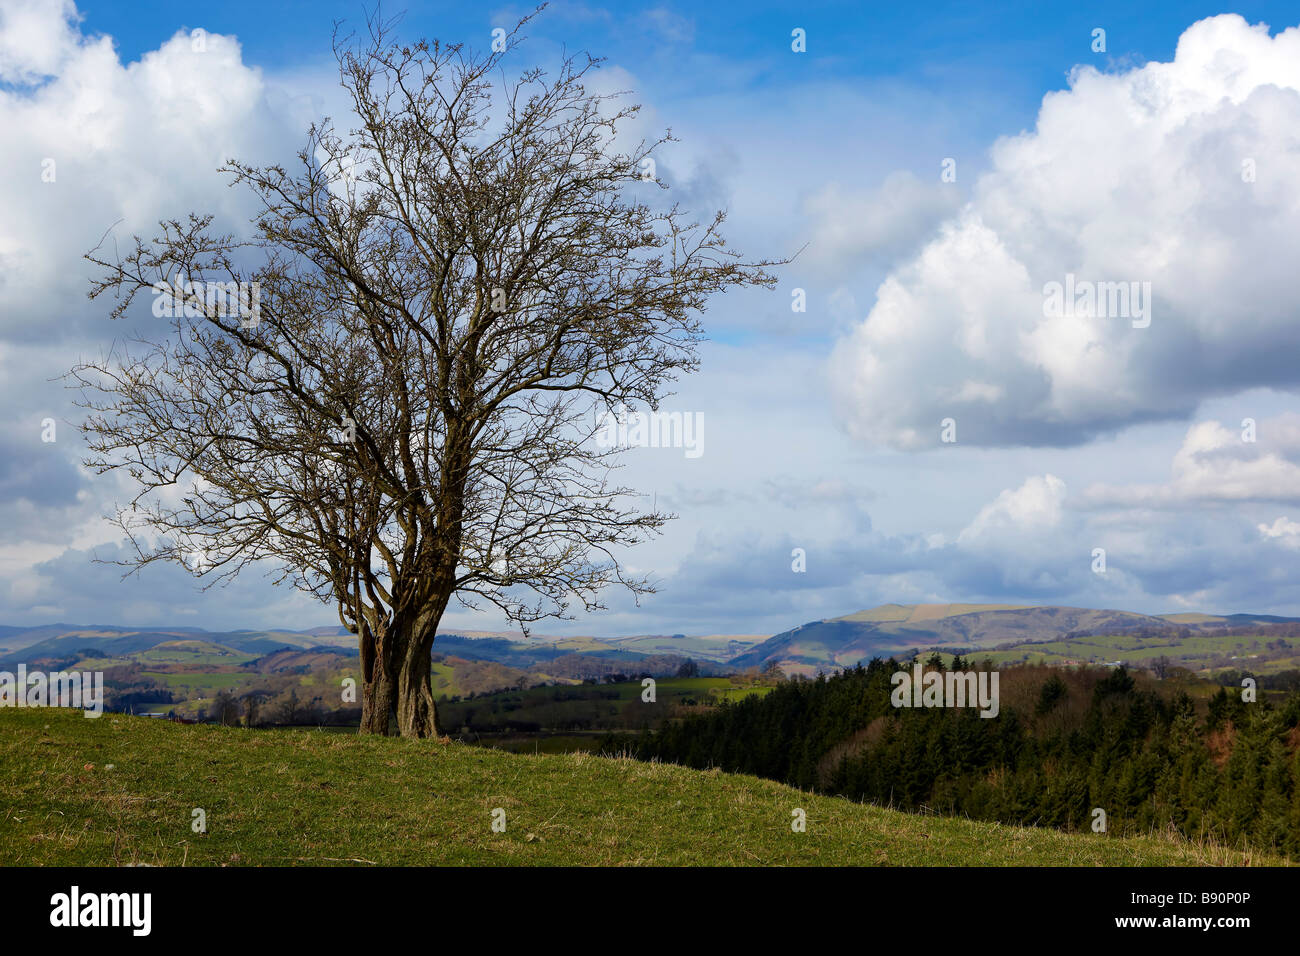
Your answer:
<point x="547" y="691"/>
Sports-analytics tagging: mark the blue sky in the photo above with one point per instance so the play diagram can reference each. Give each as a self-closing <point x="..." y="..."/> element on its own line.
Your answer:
<point x="822" y="428"/>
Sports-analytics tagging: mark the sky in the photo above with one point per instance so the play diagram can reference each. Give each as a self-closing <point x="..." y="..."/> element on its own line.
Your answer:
<point x="929" y="428"/>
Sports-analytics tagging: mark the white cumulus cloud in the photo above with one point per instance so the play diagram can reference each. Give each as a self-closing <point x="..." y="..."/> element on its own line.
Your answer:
<point x="1218" y="464"/>
<point x="1284" y="531"/>
<point x="1178" y="174"/>
<point x="36" y="38"/>
<point x="1018" y="513"/>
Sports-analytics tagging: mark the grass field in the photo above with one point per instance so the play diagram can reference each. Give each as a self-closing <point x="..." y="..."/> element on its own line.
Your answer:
<point x="305" y="797"/>
<point x="701" y="688"/>
<point x="716" y="689"/>
<point x="186" y="681"/>
<point x="191" y="653"/>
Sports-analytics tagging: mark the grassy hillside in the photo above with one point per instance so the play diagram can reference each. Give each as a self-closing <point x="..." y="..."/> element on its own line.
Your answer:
<point x="307" y="797"/>
<point x="914" y="613"/>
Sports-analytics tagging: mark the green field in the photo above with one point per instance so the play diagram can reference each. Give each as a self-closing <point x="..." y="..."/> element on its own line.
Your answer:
<point x="584" y="708"/>
<point x="188" y="680"/>
<point x="443" y="679"/>
<point x="311" y="798"/>
<point x="717" y="689"/>
<point x="703" y="689"/>
<point x="191" y="653"/>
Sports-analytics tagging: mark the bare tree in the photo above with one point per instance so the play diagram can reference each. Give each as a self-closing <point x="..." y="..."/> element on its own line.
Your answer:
<point x="289" y="711"/>
<point x="225" y="709"/>
<point x="449" y="296"/>
<point x="252" y="705"/>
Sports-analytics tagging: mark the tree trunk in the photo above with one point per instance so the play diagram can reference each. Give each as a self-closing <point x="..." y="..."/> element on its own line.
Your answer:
<point x="376" y="684"/>
<point x="396" y="679"/>
<point x="416" y="711"/>
<point x="376" y="704"/>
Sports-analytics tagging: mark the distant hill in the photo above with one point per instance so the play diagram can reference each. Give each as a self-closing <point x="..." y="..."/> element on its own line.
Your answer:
<point x="289" y="659"/>
<point x="890" y="629"/>
<point x="182" y="668"/>
<point x="58" y="641"/>
<point x="903" y="629"/>
<point x="65" y="640"/>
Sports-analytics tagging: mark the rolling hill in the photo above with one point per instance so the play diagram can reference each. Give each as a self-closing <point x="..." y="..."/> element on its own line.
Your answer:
<point x="55" y="641"/>
<point x="1198" y="640"/>
<point x="181" y="670"/>
<point x="121" y="790"/>
<point x="64" y="640"/>
<point x="903" y="629"/>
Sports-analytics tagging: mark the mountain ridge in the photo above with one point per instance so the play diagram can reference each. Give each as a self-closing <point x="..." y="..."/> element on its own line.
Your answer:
<point x="903" y="629"/>
<point x="827" y="644"/>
